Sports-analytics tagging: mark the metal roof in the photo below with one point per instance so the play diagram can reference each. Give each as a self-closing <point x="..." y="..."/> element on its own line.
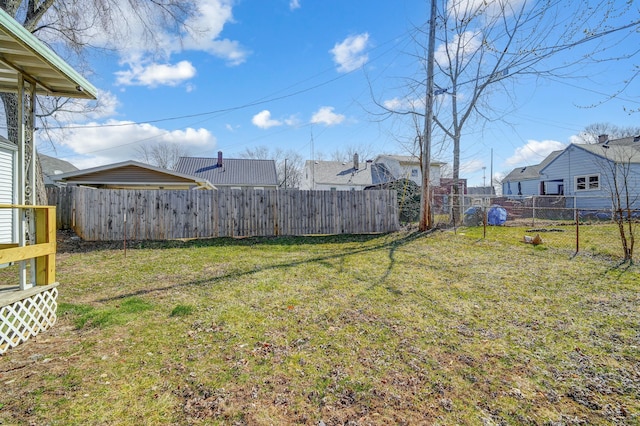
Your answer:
<point x="22" y="53"/>
<point x="232" y="172"/>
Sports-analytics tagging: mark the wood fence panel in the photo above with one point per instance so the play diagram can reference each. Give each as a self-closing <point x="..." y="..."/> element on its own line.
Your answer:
<point x="109" y="214"/>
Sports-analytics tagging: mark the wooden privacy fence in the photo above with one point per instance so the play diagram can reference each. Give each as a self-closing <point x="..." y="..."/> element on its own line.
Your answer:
<point x="114" y="214"/>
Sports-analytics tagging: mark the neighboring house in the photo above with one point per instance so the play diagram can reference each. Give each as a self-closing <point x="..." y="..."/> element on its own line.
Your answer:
<point x="131" y="175"/>
<point x="343" y="176"/>
<point x="409" y="167"/>
<point x="525" y="181"/>
<point x="590" y="172"/>
<point x="480" y="195"/>
<point x="326" y="175"/>
<point x="51" y="167"/>
<point x="231" y="172"/>
<point x="583" y="171"/>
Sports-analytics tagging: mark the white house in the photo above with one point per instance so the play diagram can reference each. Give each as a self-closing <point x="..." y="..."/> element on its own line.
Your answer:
<point x="585" y="172"/>
<point x="590" y="173"/>
<point x="408" y="167"/>
<point x="356" y="175"/>
<point x="525" y="181"/>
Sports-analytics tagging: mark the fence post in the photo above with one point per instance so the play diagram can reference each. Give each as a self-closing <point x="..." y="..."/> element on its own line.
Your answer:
<point x="484" y="222"/>
<point x="577" y="217"/>
<point x="533" y="211"/>
<point x="577" y="231"/>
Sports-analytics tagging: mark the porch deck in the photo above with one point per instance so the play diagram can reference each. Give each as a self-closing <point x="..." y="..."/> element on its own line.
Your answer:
<point x="25" y="313"/>
<point x="29" y="308"/>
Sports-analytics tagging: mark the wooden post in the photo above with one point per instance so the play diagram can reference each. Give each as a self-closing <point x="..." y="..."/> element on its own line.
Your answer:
<point x="45" y="219"/>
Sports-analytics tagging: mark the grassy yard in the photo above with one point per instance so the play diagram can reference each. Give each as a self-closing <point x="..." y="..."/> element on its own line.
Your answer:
<point x="407" y="328"/>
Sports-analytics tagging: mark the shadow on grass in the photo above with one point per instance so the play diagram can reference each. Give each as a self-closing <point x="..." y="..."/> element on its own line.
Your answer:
<point x="392" y="245"/>
<point x="75" y="245"/>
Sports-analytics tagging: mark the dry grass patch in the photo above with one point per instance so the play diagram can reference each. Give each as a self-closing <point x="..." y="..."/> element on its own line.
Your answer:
<point x="405" y="328"/>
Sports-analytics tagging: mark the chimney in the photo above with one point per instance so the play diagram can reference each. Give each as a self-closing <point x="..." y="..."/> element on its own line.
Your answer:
<point x="355" y="161"/>
<point x="603" y="138"/>
<point x="219" y="159"/>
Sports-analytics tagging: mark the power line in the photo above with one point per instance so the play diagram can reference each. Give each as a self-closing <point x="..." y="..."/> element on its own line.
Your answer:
<point x="261" y="101"/>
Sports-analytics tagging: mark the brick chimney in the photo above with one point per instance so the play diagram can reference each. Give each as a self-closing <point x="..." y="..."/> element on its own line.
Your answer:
<point x="219" y="164"/>
<point x="355" y="161"/>
<point x="603" y="138"/>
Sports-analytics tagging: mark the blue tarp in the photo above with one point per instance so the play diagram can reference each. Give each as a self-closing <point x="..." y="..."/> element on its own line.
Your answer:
<point x="496" y="216"/>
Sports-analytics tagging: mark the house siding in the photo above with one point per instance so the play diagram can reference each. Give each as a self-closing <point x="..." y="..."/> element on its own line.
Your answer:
<point x="575" y="161"/>
<point x="528" y="187"/>
<point x="7" y="188"/>
<point x="127" y="175"/>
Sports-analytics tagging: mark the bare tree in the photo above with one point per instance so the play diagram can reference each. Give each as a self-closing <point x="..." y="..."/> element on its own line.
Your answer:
<point x="620" y="168"/>
<point x="592" y="132"/>
<point x="289" y="164"/>
<point x="346" y="154"/>
<point x="162" y="154"/>
<point x="76" y="25"/>
<point x="484" y="45"/>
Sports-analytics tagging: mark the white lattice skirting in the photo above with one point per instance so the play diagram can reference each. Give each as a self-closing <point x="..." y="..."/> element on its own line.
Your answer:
<point x="26" y="317"/>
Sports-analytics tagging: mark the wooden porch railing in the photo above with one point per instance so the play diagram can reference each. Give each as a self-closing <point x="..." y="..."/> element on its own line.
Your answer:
<point x="44" y="249"/>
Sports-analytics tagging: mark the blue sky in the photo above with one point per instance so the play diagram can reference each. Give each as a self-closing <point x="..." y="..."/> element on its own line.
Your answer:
<point x="282" y="73"/>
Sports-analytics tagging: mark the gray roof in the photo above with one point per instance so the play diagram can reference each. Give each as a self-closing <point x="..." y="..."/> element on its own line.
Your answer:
<point x="625" y="150"/>
<point x="408" y="159"/>
<point x="481" y="190"/>
<point x="233" y="172"/>
<point x="52" y="167"/>
<point x="531" y="172"/>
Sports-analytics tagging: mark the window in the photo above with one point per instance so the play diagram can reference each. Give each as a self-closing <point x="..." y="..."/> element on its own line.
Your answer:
<point x="414" y="172"/>
<point x="587" y="183"/>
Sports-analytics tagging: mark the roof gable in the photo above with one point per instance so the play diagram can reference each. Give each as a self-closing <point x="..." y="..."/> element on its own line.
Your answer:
<point x="129" y="172"/>
<point x="531" y="172"/>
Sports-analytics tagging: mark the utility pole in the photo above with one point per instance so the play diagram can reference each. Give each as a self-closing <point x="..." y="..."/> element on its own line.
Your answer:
<point x="426" y="221"/>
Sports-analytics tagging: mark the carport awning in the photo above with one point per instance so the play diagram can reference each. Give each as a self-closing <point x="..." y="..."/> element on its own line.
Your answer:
<point x="22" y="53"/>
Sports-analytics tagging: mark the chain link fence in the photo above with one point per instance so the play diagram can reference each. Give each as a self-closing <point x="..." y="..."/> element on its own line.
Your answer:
<point x="585" y="225"/>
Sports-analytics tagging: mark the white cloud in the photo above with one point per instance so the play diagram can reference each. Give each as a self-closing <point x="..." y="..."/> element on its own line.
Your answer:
<point x="462" y="46"/>
<point x="294" y="4"/>
<point x="471" y="166"/>
<point x="348" y="54"/>
<point x="131" y="40"/>
<point x="205" y="29"/>
<point x="533" y="152"/>
<point x="263" y="120"/>
<point x="138" y="34"/>
<point x="79" y="109"/>
<point x="95" y="144"/>
<point x="482" y="10"/>
<point x="153" y="75"/>
<point x="397" y="104"/>
<point x="292" y="121"/>
<point x="326" y="116"/>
